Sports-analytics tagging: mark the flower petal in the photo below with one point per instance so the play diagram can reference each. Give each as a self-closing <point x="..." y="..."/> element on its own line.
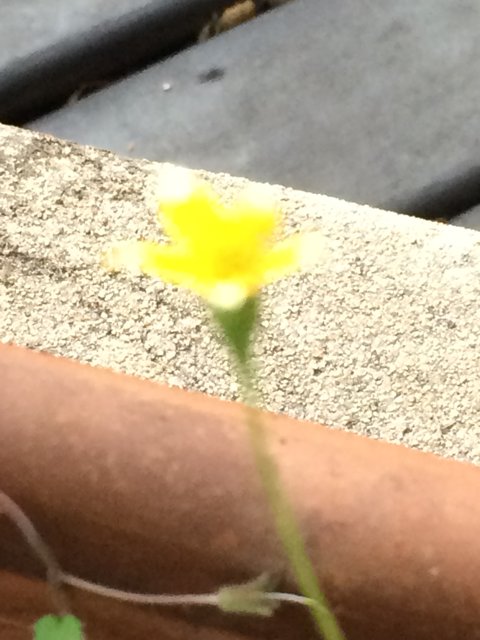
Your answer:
<point x="187" y="206"/>
<point x="130" y="255"/>
<point x="255" y="213"/>
<point x="298" y="252"/>
<point x="312" y="249"/>
<point x="160" y="261"/>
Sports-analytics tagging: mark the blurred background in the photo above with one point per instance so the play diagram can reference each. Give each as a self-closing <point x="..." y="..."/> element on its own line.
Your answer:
<point x="374" y="102"/>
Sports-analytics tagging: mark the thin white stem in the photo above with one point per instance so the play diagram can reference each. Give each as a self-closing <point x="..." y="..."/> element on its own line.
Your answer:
<point x="293" y="598"/>
<point x="56" y="577"/>
<point x="29" y="533"/>
<point x="204" y="599"/>
<point x="210" y="599"/>
<point x="39" y="547"/>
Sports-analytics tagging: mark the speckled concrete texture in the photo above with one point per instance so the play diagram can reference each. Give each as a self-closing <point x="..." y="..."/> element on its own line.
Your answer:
<point x="383" y="338"/>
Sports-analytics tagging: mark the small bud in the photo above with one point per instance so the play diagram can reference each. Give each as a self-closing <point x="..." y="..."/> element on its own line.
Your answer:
<point x="249" y="598"/>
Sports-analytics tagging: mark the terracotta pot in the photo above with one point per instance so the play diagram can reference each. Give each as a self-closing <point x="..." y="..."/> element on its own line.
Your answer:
<point x="148" y="488"/>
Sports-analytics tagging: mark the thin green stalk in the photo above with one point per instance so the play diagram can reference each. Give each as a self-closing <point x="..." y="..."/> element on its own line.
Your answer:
<point x="285" y="520"/>
<point x="238" y="326"/>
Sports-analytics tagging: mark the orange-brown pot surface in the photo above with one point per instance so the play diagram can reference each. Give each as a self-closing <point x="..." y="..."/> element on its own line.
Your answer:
<point x="148" y="488"/>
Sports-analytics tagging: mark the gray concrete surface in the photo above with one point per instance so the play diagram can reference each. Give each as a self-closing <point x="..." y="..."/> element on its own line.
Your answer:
<point x="369" y="102"/>
<point x="29" y="25"/>
<point x="383" y="338"/>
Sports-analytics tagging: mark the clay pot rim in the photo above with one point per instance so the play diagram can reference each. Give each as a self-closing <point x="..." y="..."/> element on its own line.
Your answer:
<point x="391" y="530"/>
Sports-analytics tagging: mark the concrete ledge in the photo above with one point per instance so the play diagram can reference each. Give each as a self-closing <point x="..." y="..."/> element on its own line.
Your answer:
<point x="382" y="339"/>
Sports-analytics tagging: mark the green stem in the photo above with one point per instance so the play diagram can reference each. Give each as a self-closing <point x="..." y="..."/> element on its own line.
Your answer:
<point x="238" y="326"/>
<point x="284" y="517"/>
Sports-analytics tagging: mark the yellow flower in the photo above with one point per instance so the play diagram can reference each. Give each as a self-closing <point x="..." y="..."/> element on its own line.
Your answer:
<point x="224" y="253"/>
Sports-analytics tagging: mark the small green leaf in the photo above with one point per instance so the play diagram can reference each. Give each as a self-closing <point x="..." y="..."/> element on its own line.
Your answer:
<point x="58" y="628"/>
<point x="249" y="598"/>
